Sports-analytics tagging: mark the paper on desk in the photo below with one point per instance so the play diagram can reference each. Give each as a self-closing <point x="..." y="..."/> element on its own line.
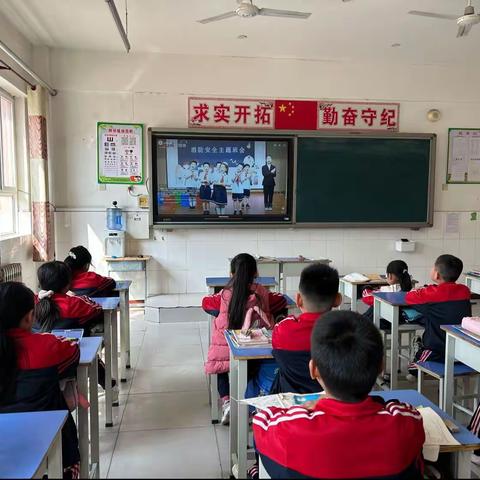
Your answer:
<point x="281" y="400"/>
<point x="356" y="277"/>
<point x="436" y="434"/>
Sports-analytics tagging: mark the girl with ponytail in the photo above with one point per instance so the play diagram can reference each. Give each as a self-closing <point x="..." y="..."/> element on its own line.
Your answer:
<point x="56" y="309"/>
<point x="241" y="304"/>
<point x="398" y="279"/>
<point x="84" y="282"/>
<point x="31" y="366"/>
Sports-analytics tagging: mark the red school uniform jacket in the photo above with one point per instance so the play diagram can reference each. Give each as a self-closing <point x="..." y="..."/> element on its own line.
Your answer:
<point x="367" y="439"/>
<point x="443" y="304"/>
<point x="91" y="284"/>
<point x="75" y="312"/>
<point x="291" y="349"/>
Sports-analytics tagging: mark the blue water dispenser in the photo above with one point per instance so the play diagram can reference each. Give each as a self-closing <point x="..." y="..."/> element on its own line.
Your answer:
<point x="115" y="234"/>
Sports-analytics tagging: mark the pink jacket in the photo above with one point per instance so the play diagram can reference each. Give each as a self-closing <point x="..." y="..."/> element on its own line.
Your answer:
<point x="261" y="306"/>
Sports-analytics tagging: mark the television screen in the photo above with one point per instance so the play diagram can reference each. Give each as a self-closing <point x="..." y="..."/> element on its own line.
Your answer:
<point x="222" y="179"/>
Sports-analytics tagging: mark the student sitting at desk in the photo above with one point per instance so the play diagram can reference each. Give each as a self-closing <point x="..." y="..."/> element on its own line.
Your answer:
<point x="399" y="280"/>
<point x="84" y="282"/>
<point x="347" y="433"/>
<point x="318" y="294"/>
<point x="55" y="309"/>
<point x="31" y="365"/>
<point x="242" y="298"/>
<point x="444" y="303"/>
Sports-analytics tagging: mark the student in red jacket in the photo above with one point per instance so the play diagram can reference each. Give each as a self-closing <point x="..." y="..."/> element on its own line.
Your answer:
<point x="31" y="365"/>
<point x="445" y="303"/>
<point x="318" y="294"/>
<point x="55" y="309"/>
<point x="347" y="433"/>
<point x="84" y="282"/>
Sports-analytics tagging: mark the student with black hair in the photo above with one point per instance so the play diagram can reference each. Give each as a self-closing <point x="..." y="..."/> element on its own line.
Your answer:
<point x="55" y="309"/>
<point x="83" y="281"/>
<point x="240" y="300"/>
<point x="317" y="295"/>
<point x="220" y="180"/>
<point x="191" y="183"/>
<point x="205" y="188"/>
<point x="399" y="280"/>
<point x="347" y="433"/>
<point x="444" y="303"/>
<point x="31" y="366"/>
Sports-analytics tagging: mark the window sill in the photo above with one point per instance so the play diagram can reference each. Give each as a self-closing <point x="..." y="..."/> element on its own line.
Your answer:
<point x="13" y="236"/>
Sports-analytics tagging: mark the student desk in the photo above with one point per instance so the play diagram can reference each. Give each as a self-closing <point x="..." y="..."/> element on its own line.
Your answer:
<point x="31" y="444"/>
<point x="110" y="335"/>
<point x="130" y="264"/>
<point x="212" y="379"/>
<point x="87" y="379"/>
<point x="239" y="358"/>
<point x="462" y="348"/>
<point x="387" y="305"/>
<point x="473" y="283"/>
<point x="215" y="284"/>
<point x="123" y="288"/>
<point x="460" y="462"/>
<point x="351" y="289"/>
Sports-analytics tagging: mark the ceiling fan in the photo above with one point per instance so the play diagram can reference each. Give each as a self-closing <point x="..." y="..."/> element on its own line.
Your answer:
<point x="464" y="22"/>
<point x="247" y="9"/>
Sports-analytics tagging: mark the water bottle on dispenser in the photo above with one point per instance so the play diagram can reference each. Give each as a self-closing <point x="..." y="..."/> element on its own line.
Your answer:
<point x="115" y="235"/>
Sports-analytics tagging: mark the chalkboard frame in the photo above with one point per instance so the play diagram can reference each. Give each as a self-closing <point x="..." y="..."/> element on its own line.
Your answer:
<point x="432" y="137"/>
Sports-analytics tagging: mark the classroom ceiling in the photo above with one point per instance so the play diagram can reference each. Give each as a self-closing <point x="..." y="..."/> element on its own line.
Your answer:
<point x="360" y="30"/>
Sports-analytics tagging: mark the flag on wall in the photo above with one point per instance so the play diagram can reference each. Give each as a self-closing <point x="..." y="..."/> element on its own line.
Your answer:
<point x="296" y="115"/>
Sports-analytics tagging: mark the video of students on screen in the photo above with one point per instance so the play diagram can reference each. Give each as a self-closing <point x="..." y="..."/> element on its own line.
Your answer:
<point x="221" y="177"/>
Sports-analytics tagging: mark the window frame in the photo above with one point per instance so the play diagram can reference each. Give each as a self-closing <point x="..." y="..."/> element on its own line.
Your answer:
<point x="5" y="191"/>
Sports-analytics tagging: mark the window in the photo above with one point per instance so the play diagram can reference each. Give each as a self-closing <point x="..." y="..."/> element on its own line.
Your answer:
<point x="8" y="174"/>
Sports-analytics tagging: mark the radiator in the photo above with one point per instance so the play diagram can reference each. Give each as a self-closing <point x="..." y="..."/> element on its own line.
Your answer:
<point x="12" y="272"/>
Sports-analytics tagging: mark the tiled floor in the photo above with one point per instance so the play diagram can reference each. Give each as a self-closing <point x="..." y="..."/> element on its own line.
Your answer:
<point x="162" y="428"/>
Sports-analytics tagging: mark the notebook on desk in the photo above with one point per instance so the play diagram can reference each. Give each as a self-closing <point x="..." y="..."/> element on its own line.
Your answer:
<point x="73" y="334"/>
<point x="356" y="277"/>
<point x="256" y="337"/>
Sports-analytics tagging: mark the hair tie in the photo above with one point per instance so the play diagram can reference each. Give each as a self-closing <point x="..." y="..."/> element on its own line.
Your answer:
<point x="405" y="271"/>
<point x="71" y="254"/>
<point x="45" y="294"/>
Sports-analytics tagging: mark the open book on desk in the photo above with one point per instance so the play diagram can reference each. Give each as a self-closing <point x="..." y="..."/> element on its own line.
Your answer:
<point x="256" y="337"/>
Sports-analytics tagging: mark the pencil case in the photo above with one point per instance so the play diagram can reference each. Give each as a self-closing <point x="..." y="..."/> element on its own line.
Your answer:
<point x="472" y="324"/>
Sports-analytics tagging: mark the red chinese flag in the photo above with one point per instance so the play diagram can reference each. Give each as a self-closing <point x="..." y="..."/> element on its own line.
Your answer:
<point x="296" y="115"/>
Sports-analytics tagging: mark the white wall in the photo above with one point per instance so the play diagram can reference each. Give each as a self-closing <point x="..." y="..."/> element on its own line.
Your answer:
<point x="153" y="89"/>
<point x="18" y="248"/>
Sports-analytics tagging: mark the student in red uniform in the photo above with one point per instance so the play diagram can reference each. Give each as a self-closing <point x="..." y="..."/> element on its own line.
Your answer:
<point x="318" y="294"/>
<point x="55" y="309"/>
<point x="84" y="282"/>
<point x="445" y="303"/>
<point x="347" y="433"/>
<point x="31" y="365"/>
<point x="240" y="297"/>
<point x="398" y="279"/>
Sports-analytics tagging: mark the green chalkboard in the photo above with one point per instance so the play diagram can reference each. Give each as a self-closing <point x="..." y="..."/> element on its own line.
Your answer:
<point x="365" y="180"/>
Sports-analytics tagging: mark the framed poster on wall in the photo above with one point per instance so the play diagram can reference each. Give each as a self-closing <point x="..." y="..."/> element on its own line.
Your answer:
<point x="463" y="155"/>
<point x="120" y="153"/>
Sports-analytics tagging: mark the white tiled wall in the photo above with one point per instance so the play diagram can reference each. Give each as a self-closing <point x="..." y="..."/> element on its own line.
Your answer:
<point x="182" y="259"/>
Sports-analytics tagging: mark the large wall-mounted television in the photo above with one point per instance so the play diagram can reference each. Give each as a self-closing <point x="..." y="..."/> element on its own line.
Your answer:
<point x="205" y="178"/>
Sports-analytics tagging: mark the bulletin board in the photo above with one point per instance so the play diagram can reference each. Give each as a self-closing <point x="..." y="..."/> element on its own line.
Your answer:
<point x="463" y="155"/>
<point x="120" y="153"/>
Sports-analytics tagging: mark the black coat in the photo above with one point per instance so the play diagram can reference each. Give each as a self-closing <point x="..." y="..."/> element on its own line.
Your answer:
<point x="268" y="176"/>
